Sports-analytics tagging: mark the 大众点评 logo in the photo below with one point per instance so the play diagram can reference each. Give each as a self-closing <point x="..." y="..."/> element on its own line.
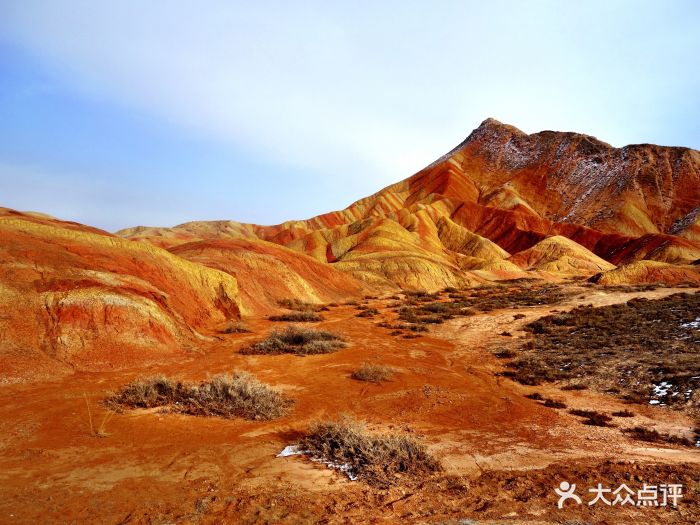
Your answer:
<point x="648" y="496"/>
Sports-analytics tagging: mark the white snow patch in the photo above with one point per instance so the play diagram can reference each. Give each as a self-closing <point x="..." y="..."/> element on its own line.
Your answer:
<point x="343" y="467"/>
<point x="290" y="450"/>
<point x="662" y="389"/>
<point x="294" y="450"/>
<point x="695" y="325"/>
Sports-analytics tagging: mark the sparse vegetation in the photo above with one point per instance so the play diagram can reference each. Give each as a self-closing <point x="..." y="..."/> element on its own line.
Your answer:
<point x="368" y="312"/>
<point x="372" y="373"/>
<point x="228" y="396"/>
<point x="424" y="308"/>
<point x="536" y="396"/>
<point x="378" y="459"/>
<point x="297" y="317"/>
<point x="236" y="327"/>
<point x="297" y="340"/>
<point x="532" y="371"/>
<point x="301" y="306"/>
<point x="641" y="350"/>
<point x="623" y="413"/>
<point x="512" y="294"/>
<point x="553" y="403"/>
<point x="593" y="418"/>
<point x="651" y="435"/>
<point x="504" y="353"/>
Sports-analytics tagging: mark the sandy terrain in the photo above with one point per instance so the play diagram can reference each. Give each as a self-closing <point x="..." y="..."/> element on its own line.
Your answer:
<point x="503" y="453"/>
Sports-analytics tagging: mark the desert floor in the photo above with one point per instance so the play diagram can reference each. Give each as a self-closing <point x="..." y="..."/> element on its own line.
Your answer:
<point x="503" y="454"/>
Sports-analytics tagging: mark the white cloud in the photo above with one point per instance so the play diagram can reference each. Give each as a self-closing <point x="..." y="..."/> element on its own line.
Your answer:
<point x="365" y="91"/>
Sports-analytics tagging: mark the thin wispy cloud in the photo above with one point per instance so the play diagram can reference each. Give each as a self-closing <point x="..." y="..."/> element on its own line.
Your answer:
<point x="339" y="99"/>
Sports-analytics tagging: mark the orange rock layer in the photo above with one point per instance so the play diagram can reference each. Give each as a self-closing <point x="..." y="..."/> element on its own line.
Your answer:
<point x="502" y="204"/>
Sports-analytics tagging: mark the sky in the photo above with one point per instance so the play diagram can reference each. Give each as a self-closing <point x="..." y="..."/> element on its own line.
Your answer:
<point x="118" y="114"/>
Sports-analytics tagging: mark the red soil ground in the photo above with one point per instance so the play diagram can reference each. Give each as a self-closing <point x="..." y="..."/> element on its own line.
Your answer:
<point x="503" y="454"/>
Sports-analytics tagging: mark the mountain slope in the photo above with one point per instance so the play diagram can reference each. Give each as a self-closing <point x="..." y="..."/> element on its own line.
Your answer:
<point x="267" y="273"/>
<point x="83" y="297"/>
<point x="499" y="193"/>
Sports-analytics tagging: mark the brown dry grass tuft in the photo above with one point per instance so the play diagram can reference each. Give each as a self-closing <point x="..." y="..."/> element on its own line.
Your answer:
<point x="301" y="306"/>
<point x="372" y="373"/>
<point x="651" y="435"/>
<point x="553" y="403"/>
<point x="297" y="317"/>
<point x="591" y="417"/>
<point x="228" y="396"/>
<point x="238" y="327"/>
<point x="623" y="413"/>
<point x="378" y="459"/>
<point x="367" y="312"/>
<point x="297" y="340"/>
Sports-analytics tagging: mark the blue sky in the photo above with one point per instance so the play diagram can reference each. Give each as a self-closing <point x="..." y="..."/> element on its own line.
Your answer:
<point x="123" y="113"/>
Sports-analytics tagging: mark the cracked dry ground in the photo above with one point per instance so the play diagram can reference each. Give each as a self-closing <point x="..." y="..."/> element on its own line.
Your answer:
<point x="502" y="453"/>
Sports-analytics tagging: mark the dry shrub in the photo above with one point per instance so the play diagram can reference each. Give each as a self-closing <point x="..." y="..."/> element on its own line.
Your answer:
<point x="228" y="396"/>
<point x="532" y="371"/>
<point x="504" y="353"/>
<point x="591" y="417"/>
<point x="651" y="435"/>
<point x="237" y="327"/>
<point x="297" y="317"/>
<point x="147" y="393"/>
<point x="553" y="403"/>
<point x="297" y="340"/>
<point x="378" y="459"/>
<point x="372" y="373"/>
<point x="623" y="413"/>
<point x="301" y="306"/>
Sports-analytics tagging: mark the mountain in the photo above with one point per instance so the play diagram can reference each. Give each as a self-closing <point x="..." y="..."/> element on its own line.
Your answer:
<point x="86" y="298"/>
<point x="501" y="203"/>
